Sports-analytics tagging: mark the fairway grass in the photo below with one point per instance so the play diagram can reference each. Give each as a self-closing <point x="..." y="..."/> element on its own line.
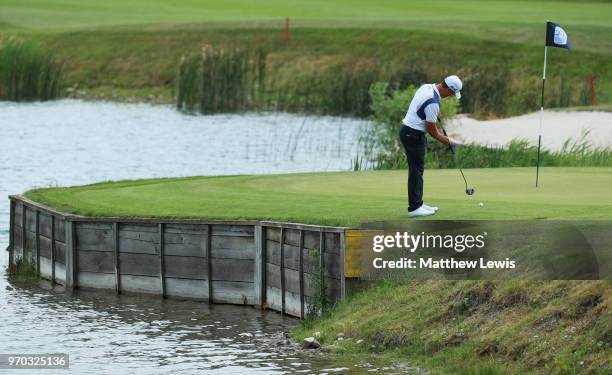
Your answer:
<point x="129" y="51"/>
<point x="517" y="21"/>
<point x="346" y="198"/>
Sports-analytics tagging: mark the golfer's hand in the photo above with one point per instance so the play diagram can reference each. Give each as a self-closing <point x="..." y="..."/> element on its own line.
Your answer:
<point x="454" y="142"/>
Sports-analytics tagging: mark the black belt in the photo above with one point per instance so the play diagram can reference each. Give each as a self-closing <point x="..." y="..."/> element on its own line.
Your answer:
<point x="413" y="130"/>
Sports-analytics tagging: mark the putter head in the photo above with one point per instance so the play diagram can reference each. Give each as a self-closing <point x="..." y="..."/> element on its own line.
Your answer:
<point x="470" y="191"/>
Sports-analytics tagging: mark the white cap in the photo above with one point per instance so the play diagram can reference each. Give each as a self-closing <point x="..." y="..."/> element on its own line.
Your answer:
<point x="454" y="83"/>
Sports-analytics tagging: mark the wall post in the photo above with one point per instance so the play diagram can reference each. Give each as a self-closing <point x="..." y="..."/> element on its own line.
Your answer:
<point x="52" y="249"/>
<point x="209" y="262"/>
<point x="117" y="263"/>
<point x="23" y="231"/>
<point x="37" y="241"/>
<point x="162" y="264"/>
<point x="71" y="255"/>
<point x="301" y="276"/>
<point x="12" y="237"/>
<point x="282" y="269"/>
<point x="342" y="279"/>
<point x="259" y="282"/>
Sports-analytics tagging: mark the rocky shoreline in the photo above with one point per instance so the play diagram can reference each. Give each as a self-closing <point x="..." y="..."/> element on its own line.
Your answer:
<point x="312" y="346"/>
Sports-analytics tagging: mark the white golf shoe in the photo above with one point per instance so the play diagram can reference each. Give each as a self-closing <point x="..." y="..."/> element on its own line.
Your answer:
<point x="430" y="208"/>
<point x="421" y="211"/>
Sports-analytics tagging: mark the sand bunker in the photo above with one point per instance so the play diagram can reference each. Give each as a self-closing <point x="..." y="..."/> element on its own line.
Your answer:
<point x="557" y="127"/>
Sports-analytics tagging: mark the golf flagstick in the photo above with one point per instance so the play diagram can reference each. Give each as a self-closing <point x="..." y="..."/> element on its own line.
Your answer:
<point x="555" y="37"/>
<point x="541" y="118"/>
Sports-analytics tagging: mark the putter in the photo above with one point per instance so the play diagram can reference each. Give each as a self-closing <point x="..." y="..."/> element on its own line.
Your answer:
<point x="468" y="191"/>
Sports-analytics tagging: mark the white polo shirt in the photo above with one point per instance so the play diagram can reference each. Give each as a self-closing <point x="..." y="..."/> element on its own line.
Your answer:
<point x="425" y="93"/>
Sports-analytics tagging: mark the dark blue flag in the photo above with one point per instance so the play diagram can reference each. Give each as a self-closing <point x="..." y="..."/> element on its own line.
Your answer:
<point x="556" y="36"/>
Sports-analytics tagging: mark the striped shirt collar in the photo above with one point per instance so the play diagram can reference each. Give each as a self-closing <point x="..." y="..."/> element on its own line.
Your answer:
<point x="436" y="89"/>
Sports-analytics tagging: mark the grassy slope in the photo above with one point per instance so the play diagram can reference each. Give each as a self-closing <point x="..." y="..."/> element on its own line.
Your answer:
<point x="506" y="18"/>
<point x="115" y="46"/>
<point x="347" y="198"/>
<point x="473" y="327"/>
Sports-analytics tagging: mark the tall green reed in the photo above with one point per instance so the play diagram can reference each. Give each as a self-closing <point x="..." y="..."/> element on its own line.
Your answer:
<point x="336" y="90"/>
<point x="230" y="79"/>
<point x="218" y="80"/>
<point x="518" y="153"/>
<point x="28" y="72"/>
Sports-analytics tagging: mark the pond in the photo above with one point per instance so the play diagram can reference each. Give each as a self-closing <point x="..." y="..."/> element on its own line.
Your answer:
<point x="70" y="142"/>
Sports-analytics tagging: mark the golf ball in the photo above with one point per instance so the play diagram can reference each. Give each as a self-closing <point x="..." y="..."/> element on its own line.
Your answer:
<point x="480" y="204"/>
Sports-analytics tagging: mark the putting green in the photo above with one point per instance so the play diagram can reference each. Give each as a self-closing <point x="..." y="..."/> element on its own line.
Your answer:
<point x="346" y="198"/>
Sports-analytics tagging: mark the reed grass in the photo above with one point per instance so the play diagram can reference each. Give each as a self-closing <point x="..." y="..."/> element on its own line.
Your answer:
<point x="218" y="80"/>
<point x="230" y="80"/>
<point x="28" y="72"/>
<point x="24" y="270"/>
<point x="519" y="153"/>
<point x="341" y="89"/>
<point x="234" y="80"/>
<point x="319" y="304"/>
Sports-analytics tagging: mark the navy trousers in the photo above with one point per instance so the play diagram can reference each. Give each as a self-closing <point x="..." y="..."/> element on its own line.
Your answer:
<point x="414" y="142"/>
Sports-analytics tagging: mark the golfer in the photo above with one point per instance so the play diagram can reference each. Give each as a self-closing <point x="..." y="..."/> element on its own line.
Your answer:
<point x="422" y="116"/>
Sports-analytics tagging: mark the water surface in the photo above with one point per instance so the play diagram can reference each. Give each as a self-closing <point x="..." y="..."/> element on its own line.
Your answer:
<point x="69" y="142"/>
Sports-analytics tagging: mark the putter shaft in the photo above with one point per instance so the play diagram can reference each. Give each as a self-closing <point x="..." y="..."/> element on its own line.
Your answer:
<point x="455" y="157"/>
